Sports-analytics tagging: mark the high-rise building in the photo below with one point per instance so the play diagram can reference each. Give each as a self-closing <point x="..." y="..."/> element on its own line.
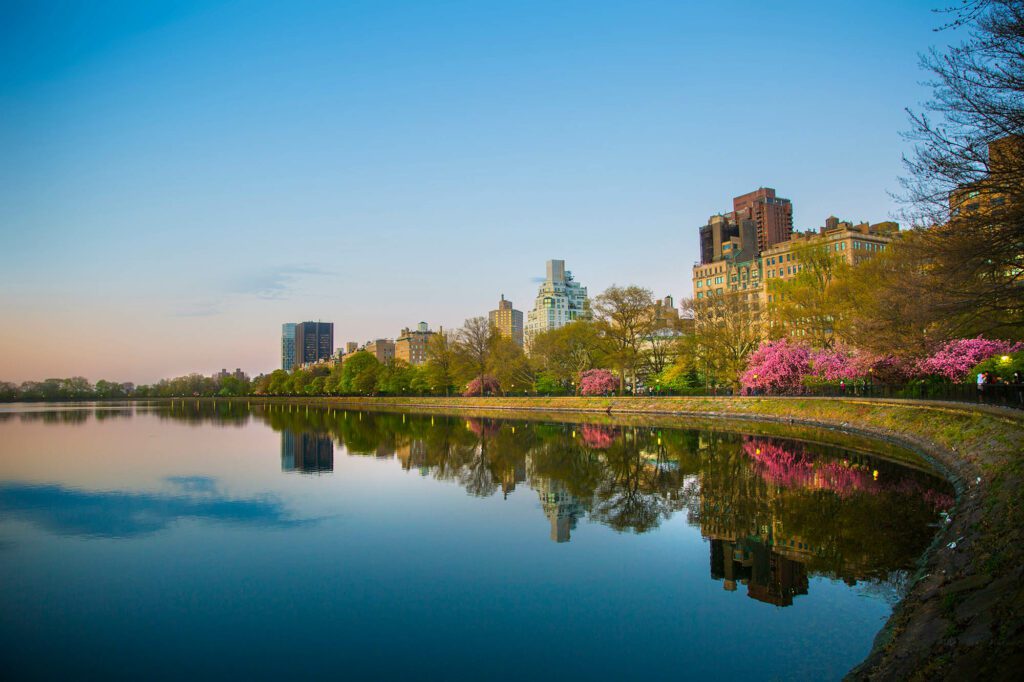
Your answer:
<point x="411" y="344"/>
<point x="560" y="300"/>
<point x="772" y="216"/>
<point x="287" y="345"/>
<point x="314" y="341"/>
<point x="508" y="321"/>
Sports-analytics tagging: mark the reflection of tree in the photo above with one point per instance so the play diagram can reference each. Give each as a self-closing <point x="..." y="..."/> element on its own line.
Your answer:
<point x="840" y="514"/>
<point x="776" y="510"/>
<point x="638" y="491"/>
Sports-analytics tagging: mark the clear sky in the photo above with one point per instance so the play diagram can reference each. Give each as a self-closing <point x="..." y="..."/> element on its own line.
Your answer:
<point x="177" y="179"/>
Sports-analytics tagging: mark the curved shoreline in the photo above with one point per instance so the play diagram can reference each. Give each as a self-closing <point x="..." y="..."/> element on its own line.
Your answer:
<point x="963" y="616"/>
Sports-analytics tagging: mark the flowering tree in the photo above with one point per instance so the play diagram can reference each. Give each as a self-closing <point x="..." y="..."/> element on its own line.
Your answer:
<point x="836" y="364"/>
<point x="778" y="366"/>
<point x="598" y="382"/>
<point x="956" y="358"/>
<point x="490" y="386"/>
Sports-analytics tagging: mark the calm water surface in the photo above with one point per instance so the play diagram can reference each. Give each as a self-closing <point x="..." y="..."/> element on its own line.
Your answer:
<point x="218" y="541"/>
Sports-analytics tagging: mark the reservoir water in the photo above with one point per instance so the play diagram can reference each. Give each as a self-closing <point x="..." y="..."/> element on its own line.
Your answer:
<point x="233" y="541"/>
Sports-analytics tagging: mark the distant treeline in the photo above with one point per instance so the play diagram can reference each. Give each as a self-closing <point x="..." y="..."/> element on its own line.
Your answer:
<point x="79" y="388"/>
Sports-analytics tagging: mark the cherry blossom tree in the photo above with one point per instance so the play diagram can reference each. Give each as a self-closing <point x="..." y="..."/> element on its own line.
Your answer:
<point x="777" y="366"/>
<point x="490" y="386"/>
<point x="955" y="359"/>
<point x="598" y="382"/>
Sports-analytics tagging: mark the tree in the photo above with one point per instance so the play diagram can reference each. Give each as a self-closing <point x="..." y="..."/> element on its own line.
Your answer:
<point x="955" y="359"/>
<point x="779" y="366"/>
<point x="562" y="354"/>
<point x="727" y="328"/>
<point x="625" y="318"/>
<point x="965" y="179"/>
<point x="808" y="304"/>
<point x="482" y="385"/>
<point x="509" y="365"/>
<point x="597" y="382"/>
<point x="441" y="361"/>
<point x="359" y="374"/>
<point x="473" y="348"/>
<point x="395" y="378"/>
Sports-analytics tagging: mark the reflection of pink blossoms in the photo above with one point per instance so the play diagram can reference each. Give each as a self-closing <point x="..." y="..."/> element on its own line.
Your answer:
<point x="482" y="428"/>
<point x="793" y="467"/>
<point x="598" y="437"/>
<point x="598" y="382"/>
<point x="955" y="359"/>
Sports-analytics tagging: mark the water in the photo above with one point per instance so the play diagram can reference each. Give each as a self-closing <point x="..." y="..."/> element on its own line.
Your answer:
<point x="201" y="541"/>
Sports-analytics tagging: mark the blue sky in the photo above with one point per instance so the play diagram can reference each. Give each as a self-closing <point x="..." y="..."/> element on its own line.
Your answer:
<point x="178" y="179"/>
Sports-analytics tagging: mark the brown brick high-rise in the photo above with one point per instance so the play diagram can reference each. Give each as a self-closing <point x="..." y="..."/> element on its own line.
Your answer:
<point x="772" y="215"/>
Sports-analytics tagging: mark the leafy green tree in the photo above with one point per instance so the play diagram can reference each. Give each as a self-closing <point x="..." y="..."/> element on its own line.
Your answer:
<point x="562" y="354"/>
<point x="625" y="319"/>
<point x="359" y="374"/>
<point x="441" y="362"/>
<point x="509" y="365"/>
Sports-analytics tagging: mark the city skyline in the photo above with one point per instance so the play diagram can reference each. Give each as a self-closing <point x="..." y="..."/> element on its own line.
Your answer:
<point x="209" y="189"/>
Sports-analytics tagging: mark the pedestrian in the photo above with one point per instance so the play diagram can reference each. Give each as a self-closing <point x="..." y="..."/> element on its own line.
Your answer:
<point x="842" y="386"/>
<point x="981" y="385"/>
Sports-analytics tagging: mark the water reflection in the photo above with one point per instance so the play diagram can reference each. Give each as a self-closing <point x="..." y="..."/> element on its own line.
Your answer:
<point x="774" y="510"/>
<point x="119" y="514"/>
<point x="307" y="453"/>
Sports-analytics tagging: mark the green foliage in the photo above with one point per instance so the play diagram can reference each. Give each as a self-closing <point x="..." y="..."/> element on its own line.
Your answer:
<point x="1002" y="366"/>
<point x="547" y="383"/>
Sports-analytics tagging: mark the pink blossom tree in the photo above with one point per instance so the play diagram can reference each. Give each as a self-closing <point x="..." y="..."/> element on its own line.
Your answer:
<point x="836" y="364"/>
<point x="777" y="366"/>
<point x="490" y="386"/>
<point x="956" y="358"/>
<point x="598" y="382"/>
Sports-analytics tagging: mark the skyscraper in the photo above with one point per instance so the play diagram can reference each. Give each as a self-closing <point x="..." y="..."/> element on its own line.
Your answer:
<point x="287" y="345"/>
<point x="772" y="215"/>
<point x="560" y="300"/>
<point x="314" y="341"/>
<point x="508" y="321"/>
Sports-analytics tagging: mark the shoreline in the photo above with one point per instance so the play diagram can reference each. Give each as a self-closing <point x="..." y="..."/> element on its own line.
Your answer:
<point x="963" y="615"/>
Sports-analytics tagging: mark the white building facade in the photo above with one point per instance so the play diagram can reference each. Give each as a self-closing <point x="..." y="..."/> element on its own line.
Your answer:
<point x="560" y="300"/>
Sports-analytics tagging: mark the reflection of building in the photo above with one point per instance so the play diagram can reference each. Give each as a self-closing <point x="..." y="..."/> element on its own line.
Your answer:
<point x="561" y="507"/>
<point x="508" y="321"/>
<point x="560" y="300"/>
<point x="413" y="455"/>
<point x="308" y="453"/>
<point x="511" y="476"/>
<point x="411" y="345"/>
<point x="769" y="576"/>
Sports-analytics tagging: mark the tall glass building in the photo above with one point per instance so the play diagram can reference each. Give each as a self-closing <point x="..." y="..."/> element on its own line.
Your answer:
<point x="287" y="345"/>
